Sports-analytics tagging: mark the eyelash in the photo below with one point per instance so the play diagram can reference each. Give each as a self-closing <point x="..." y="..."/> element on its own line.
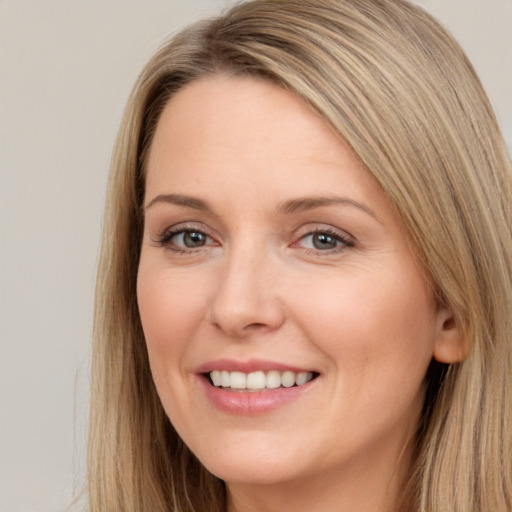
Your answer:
<point x="165" y="240"/>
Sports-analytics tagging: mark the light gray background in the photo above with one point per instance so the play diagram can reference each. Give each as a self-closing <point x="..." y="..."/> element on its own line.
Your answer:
<point x="66" y="68"/>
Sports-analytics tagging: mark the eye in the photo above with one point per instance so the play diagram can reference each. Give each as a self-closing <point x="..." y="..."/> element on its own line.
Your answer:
<point x="184" y="239"/>
<point x="189" y="239"/>
<point x="324" y="240"/>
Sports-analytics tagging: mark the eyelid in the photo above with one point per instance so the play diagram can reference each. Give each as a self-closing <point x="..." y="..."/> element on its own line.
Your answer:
<point x="315" y="227"/>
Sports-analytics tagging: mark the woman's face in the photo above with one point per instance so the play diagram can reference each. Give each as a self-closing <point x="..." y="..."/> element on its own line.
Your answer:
<point x="271" y="258"/>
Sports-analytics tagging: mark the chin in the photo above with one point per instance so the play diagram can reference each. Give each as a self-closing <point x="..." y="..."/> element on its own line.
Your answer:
<point x="251" y="473"/>
<point x="249" y="465"/>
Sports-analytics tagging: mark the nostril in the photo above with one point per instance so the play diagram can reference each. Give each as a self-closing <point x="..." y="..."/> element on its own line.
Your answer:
<point x="255" y="326"/>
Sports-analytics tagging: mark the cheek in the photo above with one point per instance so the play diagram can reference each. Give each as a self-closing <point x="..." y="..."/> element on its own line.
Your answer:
<point x="168" y="306"/>
<point x="373" y="327"/>
<point x="171" y="309"/>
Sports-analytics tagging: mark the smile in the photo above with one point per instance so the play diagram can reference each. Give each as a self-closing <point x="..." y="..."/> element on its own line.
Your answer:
<point x="256" y="386"/>
<point x="258" y="380"/>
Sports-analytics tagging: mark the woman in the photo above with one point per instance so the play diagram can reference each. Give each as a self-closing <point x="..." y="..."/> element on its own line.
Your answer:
<point x="305" y="281"/>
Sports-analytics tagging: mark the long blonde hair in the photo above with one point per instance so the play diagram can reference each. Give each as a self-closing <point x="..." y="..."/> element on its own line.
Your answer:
<point x="401" y="92"/>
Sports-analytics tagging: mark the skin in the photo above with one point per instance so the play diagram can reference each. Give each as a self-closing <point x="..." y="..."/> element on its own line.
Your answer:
<point x="356" y="310"/>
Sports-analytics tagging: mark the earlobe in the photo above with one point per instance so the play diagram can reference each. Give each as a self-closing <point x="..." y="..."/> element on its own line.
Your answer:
<point x="452" y="341"/>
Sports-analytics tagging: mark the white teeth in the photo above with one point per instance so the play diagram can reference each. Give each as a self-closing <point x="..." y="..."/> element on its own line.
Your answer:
<point x="256" y="380"/>
<point x="259" y="380"/>
<point x="273" y="379"/>
<point x="302" y="378"/>
<point x="216" y="377"/>
<point x="288" y="379"/>
<point x="238" y="380"/>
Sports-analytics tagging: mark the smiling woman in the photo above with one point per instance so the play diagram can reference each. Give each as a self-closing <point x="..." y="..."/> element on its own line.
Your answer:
<point x="304" y="291"/>
<point x="318" y="312"/>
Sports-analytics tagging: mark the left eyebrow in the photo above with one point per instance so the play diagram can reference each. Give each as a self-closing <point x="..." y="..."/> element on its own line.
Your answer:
<point x="309" y="203"/>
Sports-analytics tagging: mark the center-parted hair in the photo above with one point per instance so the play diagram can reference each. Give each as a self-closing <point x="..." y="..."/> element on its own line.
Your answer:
<point x="397" y="87"/>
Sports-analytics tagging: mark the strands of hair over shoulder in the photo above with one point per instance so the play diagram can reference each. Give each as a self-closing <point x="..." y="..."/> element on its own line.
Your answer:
<point x="397" y="87"/>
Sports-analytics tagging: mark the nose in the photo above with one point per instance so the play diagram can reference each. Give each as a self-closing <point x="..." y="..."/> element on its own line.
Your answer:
<point x="246" y="300"/>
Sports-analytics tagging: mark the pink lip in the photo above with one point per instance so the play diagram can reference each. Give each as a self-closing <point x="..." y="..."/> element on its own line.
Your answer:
<point x="249" y="403"/>
<point x="252" y="365"/>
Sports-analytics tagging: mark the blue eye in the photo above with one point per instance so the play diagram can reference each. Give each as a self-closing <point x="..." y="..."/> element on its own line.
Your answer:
<point x="184" y="239"/>
<point x="325" y="240"/>
<point x="189" y="239"/>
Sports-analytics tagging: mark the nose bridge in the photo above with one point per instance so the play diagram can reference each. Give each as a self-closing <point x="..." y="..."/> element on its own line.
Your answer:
<point x="246" y="297"/>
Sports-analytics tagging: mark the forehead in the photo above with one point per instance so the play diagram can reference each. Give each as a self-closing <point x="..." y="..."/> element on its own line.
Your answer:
<point x="223" y="128"/>
<point x="219" y="109"/>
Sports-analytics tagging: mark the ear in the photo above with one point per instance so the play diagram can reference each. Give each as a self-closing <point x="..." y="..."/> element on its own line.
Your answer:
<point x="452" y="343"/>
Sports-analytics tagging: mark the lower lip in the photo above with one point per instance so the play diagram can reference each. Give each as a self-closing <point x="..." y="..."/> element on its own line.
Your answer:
<point x="254" y="402"/>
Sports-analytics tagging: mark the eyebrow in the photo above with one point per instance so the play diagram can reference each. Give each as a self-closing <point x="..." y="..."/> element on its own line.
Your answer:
<point x="292" y="206"/>
<point x="310" y="203"/>
<point x="180" y="200"/>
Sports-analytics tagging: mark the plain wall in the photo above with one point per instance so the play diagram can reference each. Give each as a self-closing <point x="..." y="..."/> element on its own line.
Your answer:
<point x="66" y="68"/>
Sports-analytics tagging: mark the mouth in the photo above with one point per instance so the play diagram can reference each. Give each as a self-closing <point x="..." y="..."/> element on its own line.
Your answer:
<point x="254" y="387"/>
<point x="258" y="380"/>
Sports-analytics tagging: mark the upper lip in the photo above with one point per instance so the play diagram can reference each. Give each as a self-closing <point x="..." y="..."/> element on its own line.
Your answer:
<point x="251" y="365"/>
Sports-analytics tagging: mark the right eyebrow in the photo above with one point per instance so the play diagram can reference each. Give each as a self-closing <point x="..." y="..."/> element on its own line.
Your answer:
<point x="180" y="200"/>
